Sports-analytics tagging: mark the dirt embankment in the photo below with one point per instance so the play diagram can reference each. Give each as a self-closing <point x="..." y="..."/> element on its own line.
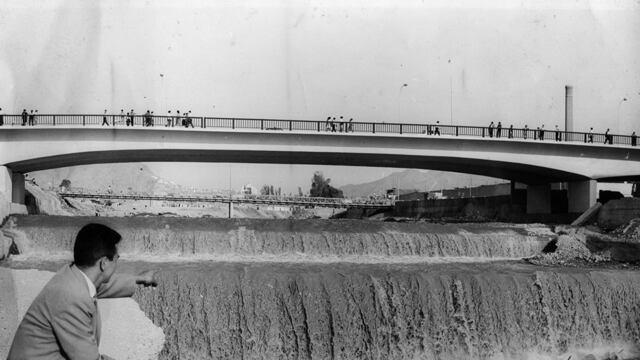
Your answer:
<point x="579" y="245"/>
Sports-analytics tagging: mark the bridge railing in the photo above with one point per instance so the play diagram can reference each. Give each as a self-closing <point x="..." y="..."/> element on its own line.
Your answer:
<point x="313" y="126"/>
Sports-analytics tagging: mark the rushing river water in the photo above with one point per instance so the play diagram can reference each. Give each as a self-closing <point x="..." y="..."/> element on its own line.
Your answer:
<point x="358" y="290"/>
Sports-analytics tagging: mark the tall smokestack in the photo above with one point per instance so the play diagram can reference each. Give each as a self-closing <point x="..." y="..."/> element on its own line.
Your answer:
<point x="568" y="108"/>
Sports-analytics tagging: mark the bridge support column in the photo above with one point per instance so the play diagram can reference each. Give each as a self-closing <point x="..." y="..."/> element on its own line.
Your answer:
<point x="12" y="185"/>
<point x="539" y="199"/>
<point x="17" y="188"/>
<point x="582" y="195"/>
<point x="11" y="193"/>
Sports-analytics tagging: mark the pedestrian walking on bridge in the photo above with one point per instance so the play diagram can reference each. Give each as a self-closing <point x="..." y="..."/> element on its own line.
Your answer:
<point x="104" y="118"/>
<point x="608" y="138"/>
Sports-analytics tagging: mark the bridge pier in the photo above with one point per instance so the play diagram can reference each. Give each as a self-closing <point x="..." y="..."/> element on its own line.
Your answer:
<point x="12" y="193"/>
<point x="539" y="199"/>
<point x="582" y="195"/>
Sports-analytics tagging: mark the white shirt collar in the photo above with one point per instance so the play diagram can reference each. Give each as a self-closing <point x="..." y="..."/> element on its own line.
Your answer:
<point x="92" y="288"/>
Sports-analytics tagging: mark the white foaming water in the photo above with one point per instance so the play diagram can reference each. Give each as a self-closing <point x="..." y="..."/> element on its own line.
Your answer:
<point x="600" y="351"/>
<point x="271" y="258"/>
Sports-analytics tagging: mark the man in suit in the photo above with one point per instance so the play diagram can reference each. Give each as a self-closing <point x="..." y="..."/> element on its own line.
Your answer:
<point x="63" y="321"/>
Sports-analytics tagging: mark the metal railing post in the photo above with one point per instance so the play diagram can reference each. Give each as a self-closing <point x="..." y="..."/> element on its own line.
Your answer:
<point x="233" y="123"/>
<point x="289" y="125"/>
<point x="482" y="132"/>
<point x="318" y="123"/>
<point x="374" y="127"/>
<point x="261" y="124"/>
<point x="456" y="130"/>
<point x="204" y="125"/>
<point x="54" y="120"/>
<point x="83" y="120"/>
<point x="400" y="129"/>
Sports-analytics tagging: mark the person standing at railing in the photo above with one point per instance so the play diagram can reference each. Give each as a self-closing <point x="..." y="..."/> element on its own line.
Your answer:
<point x="510" y="133"/>
<point x="188" y="121"/>
<point x="491" y="126"/>
<point x="333" y="125"/>
<point x="169" y="119"/>
<point x="327" y="127"/>
<point x="541" y="133"/>
<point x="147" y="119"/>
<point x="499" y="129"/>
<point x="24" y="117"/>
<point x="437" y="131"/>
<point x="341" y="123"/>
<point x="350" y="127"/>
<point x="558" y="134"/>
<point x="176" y="120"/>
<point x="634" y="138"/>
<point x="591" y="135"/>
<point x="32" y="118"/>
<point x="104" y="118"/>
<point x="133" y="117"/>
<point x="121" y="117"/>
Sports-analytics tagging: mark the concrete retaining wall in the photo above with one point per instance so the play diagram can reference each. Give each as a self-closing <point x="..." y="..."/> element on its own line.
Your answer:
<point x="618" y="212"/>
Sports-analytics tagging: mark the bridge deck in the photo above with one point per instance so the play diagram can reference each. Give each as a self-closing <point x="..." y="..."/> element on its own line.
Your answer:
<point x="434" y="129"/>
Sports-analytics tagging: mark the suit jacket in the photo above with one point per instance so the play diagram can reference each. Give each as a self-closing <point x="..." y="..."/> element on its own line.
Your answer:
<point x="63" y="321"/>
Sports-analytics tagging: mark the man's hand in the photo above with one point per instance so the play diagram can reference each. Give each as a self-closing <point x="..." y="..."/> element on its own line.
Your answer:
<point x="147" y="278"/>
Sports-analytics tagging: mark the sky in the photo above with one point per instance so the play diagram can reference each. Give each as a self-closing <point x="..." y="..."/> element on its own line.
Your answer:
<point x="463" y="62"/>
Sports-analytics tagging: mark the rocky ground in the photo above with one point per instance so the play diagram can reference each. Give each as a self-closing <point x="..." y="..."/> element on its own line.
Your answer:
<point x="48" y="202"/>
<point x="590" y="245"/>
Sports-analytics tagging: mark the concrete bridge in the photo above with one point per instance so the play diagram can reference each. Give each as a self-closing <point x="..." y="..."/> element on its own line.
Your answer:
<point x="460" y="149"/>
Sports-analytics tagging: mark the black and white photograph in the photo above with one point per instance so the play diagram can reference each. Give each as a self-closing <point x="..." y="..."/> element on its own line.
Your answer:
<point x="319" y="179"/>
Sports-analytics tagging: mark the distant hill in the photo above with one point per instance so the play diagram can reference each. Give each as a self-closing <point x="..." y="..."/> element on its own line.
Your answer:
<point x="121" y="177"/>
<point x="417" y="180"/>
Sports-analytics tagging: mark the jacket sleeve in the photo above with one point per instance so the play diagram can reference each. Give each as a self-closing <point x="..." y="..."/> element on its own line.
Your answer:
<point x="73" y="328"/>
<point x="120" y="285"/>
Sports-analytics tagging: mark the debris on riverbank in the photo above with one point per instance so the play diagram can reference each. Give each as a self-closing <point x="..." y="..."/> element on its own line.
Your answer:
<point x="590" y="245"/>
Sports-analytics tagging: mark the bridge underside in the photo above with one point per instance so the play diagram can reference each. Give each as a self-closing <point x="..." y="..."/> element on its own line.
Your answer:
<point x="523" y="173"/>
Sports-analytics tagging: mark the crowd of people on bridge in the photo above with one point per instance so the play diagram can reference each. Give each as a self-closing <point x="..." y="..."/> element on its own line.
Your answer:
<point x="538" y="133"/>
<point x="340" y="126"/>
<point x="177" y="119"/>
<point x="128" y="119"/>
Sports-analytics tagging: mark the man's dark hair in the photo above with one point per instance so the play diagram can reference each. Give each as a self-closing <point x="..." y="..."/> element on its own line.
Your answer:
<point x="93" y="242"/>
